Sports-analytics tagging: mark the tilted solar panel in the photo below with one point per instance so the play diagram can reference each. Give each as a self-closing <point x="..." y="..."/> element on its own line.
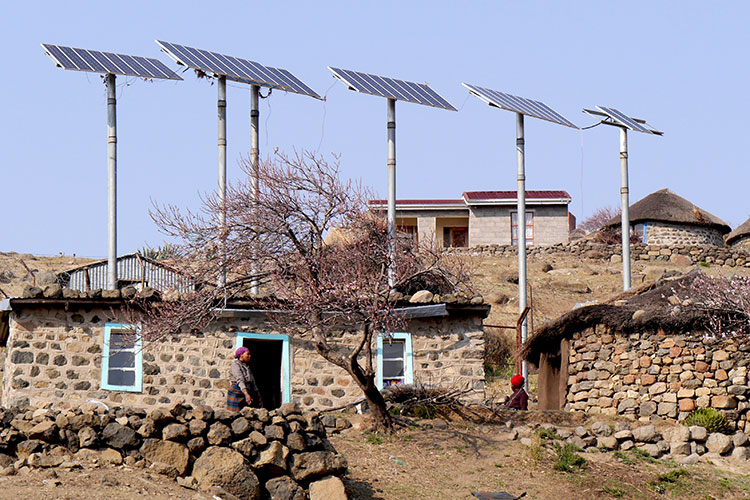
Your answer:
<point x="107" y="62"/>
<point x="623" y="119"/>
<point x="236" y="69"/>
<point x="517" y="104"/>
<point x="391" y="88"/>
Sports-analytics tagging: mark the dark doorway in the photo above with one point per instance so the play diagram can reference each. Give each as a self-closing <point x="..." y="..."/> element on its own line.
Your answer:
<point x="265" y="363"/>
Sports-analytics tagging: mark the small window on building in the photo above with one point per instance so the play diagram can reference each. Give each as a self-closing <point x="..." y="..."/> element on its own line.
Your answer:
<point x="394" y="360"/>
<point x="529" y="228"/>
<point x="122" y="360"/>
<point x="454" y="237"/>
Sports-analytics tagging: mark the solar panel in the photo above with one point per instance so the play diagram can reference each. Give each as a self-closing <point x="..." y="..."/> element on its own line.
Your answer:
<point x="236" y="69"/>
<point x="623" y="119"/>
<point x="391" y="88"/>
<point x="518" y="104"/>
<point x="107" y="62"/>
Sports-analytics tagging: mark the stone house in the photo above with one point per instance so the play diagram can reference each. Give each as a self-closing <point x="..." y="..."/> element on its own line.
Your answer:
<point x="68" y="347"/>
<point x="645" y="356"/>
<point x="485" y="218"/>
<point x="664" y="218"/>
<point x="740" y="237"/>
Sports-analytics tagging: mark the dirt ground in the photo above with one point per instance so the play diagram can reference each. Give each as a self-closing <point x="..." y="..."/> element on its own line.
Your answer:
<point x="437" y="461"/>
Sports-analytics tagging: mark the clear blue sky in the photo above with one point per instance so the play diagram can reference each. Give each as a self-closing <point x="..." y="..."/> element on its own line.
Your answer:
<point x="681" y="65"/>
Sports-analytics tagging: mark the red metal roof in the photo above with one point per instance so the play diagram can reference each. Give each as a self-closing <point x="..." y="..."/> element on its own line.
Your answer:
<point x="511" y="195"/>
<point x="420" y="202"/>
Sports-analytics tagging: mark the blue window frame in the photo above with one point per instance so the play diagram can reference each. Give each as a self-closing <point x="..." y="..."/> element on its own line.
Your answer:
<point x="122" y="360"/>
<point x="286" y="370"/>
<point x="394" y="357"/>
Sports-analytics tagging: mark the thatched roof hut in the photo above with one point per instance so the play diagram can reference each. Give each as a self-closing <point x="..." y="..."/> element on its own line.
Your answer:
<point x="645" y="353"/>
<point x="740" y="236"/>
<point x="664" y="218"/>
<point x="666" y="206"/>
<point x="651" y="302"/>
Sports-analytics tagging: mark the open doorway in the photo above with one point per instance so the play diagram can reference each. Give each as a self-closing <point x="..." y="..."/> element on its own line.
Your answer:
<point x="265" y="364"/>
<point x="271" y="366"/>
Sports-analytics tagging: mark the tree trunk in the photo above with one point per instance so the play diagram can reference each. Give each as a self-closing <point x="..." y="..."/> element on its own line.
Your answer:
<point x="382" y="420"/>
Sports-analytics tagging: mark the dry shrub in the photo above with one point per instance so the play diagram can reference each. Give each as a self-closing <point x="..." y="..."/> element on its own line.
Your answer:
<point x="499" y="350"/>
<point x="611" y="236"/>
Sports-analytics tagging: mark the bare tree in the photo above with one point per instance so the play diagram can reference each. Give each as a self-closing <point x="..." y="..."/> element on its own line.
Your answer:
<point x="276" y="237"/>
<point x="724" y="302"/>
<point x="599" y="218"/>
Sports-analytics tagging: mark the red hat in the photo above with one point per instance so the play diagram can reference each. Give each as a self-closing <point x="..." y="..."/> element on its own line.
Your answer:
<point x="517" y="380"/>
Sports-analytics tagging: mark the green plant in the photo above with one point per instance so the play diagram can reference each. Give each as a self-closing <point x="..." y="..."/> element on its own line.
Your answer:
<point x="536" y="449"/>
<point x="664" y="481"/>
<point x="642" y="455"/>
<point x="547" y="433"/>
<point x="622" y="457"/>
<point x="613" y="491"/>
<point x="567" y="459"/>
<point x="709" y="418"/>
<point x="703" y="263"/>
<point x="373" y="437"/>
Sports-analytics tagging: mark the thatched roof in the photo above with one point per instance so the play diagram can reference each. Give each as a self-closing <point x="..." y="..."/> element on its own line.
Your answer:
<point x="742" y="230"/>
<point x="665" y="206"/>
<point x="658" y="314"/>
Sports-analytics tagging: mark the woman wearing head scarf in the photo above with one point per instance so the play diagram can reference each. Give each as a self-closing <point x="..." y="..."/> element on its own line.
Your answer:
<point x="242" y="388"/>
<point x="519" y="400"/>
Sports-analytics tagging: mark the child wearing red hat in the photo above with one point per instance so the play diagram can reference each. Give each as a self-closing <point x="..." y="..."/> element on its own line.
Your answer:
<point x="519" y="400"/>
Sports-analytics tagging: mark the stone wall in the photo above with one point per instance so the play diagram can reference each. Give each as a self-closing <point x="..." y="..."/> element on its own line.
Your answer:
<point x="684" y="255"/>
<point x="55" y="355"/>
<point x="647" y="375"/>
<point x="664" y="233"/>
<point x="250" y="454"/>
<point x="741" y="242"/>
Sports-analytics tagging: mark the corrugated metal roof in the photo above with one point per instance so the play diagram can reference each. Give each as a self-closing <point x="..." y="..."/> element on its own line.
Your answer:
<point x="132" y="269"/>
<point x="420" y="202"/>
<point x="512" y="195"/>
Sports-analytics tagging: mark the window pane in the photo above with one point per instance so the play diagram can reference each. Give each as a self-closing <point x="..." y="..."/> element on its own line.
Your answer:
<point x="122" y="359"/>
<point x="394" y="350"/>
<point x="121" y="377"/>
<point x="118" y="341"/>
<point x="393" y="369"/>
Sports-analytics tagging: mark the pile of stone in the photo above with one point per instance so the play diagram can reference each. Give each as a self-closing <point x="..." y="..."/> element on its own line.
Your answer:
<point x="686" y="445"/>
<point x="282" y="454"/>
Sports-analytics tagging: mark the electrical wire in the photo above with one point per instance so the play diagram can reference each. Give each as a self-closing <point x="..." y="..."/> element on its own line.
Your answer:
<point x="464" y="103"/>
<point x="591" y="126"/>
<point x="323" y="122"/>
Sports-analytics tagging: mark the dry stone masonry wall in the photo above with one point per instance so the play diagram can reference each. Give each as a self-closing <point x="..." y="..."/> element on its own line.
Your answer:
<point x="251" y="454"/>
<point x="662" y="233"/>
<point x="648" y="376"/>
<point x="55" y="355"/>
<point x="682" y="254"/>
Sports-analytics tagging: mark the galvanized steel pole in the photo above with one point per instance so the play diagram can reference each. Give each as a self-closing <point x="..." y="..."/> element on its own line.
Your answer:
<point x="112" y="181"/>
<point x="391" y="191"/>
<point x="521" y="232"/>
<point x="624" y="198"/>
<point x="221" y="105"/>
<point x="254" y="165"/>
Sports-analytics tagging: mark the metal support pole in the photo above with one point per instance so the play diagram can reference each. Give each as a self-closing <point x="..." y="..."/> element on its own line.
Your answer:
<point x="625" y="221"/>
<point x="112" y="181"/>
<point x="221" y="105"/>
<point x="254" y="164"/>
<point x="521" y="233"/>
<point x="391" y="191"/>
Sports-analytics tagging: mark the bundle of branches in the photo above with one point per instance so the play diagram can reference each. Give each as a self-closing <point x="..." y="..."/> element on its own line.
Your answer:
<point x="420" y="400"/>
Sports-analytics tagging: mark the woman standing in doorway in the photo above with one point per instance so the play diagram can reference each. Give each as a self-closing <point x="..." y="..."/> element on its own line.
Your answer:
<point x="242" y="388"/>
